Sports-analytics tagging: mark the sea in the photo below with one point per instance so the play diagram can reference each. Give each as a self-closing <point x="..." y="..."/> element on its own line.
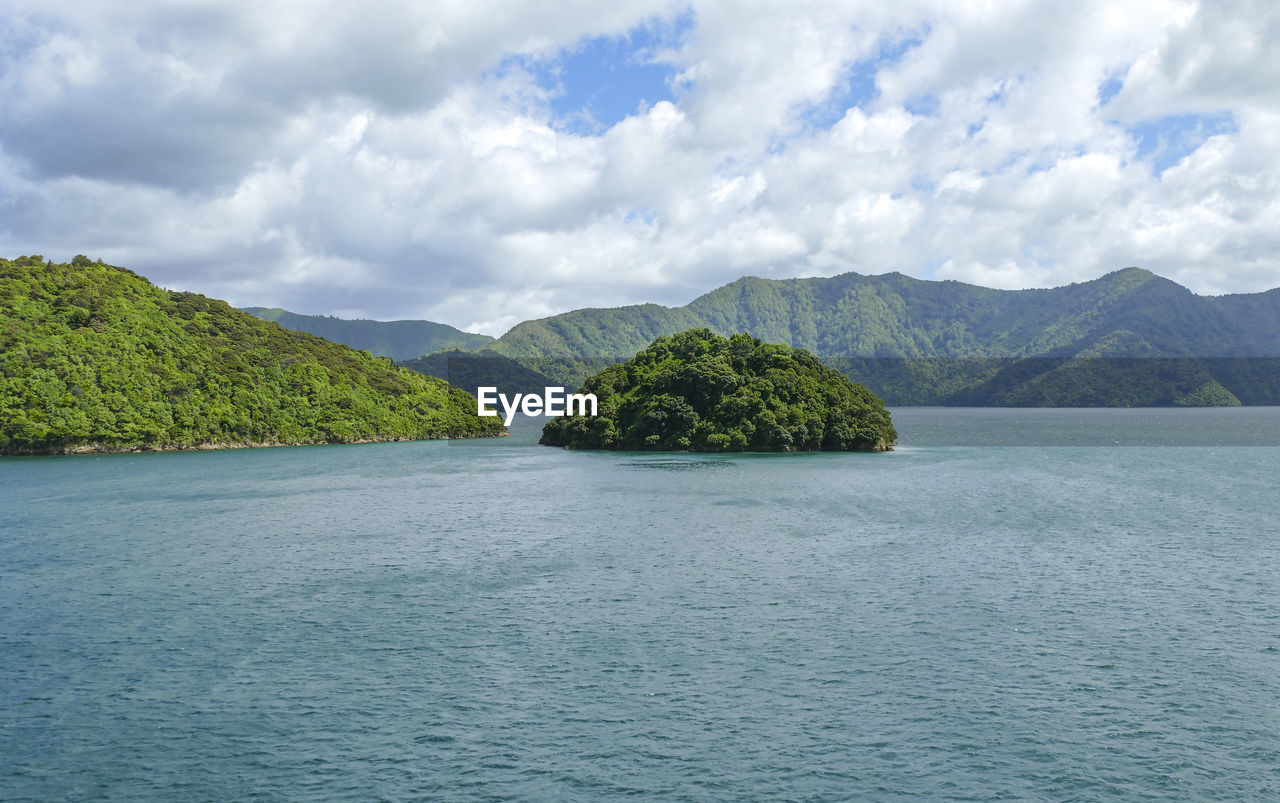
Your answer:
<point x="1012" y="604"/>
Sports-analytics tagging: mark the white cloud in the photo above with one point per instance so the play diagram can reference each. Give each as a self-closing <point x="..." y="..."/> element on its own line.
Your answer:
<point x="396" y="162"/>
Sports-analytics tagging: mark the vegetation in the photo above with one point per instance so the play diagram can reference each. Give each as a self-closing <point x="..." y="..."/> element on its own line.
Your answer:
<point x="924" y="342"/>
<point x="698" y="391"/>
<point x="470" y="370"/>
<point x="487" y="368"/>
<point x="1068" y="381"/>
<point x="399" y="340"/>
<point x="96" y="357"/>
<point x="1129" y="338"/>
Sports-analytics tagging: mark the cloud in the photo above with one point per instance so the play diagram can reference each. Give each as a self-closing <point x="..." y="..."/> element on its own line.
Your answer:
<point x="405" y="162"/>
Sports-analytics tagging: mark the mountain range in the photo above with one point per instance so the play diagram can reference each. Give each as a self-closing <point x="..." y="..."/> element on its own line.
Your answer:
<point x="399" y="340"/>
<point x="1129" y="338"/>
<point x="1130" y="312"/>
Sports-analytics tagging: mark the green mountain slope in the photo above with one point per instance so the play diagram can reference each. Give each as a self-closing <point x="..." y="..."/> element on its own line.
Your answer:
<point x="1261" y="312"/>
<point x="471" y="370"/>
<point x="595" y="333"/>
<point x="399" y="340"/>
<point x="926" y="342"/>
<point x="896" y="316"/>
<point x="696" y="391"/>
<point x="94" y="357"/>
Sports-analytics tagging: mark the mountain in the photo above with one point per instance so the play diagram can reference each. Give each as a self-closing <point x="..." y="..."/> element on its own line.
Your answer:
<point x="471" y="370"/>
<point x="399" y="340"/>
<point x="96" y="358"/>
<point x="892" y="315"/>
<point x="1262" y="310"/>
<point x="945" y="342"/>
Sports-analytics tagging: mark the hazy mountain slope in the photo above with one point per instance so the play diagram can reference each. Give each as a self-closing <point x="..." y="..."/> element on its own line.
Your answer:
<point x="399" y="340"/>
<point x="1136" y="313"/>
<point x="612" y="333"/>
<point x="1260" y="313"/>
<point x="470" y="370"/>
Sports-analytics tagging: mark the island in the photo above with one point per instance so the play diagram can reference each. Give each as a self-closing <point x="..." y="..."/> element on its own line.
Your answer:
<point x="95" y="358"/>
<point x="697" y="391"/>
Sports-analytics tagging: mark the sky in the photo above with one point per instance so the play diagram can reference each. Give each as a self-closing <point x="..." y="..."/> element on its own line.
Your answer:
<point x="482" y="163"/>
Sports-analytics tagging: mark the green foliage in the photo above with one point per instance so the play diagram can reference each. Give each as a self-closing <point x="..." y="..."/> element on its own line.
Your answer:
<point x="922" y="342"/>
<point x="609" y="334"/>
<point x="1209" y="394"/>
<point x="93" y="355"/>
<point x="470" y="370"/>
<point x="399" y="340"/>
<point x="698" y="391"/>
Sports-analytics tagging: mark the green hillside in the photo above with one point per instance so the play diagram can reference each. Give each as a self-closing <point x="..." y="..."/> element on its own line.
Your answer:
<point x="892" y="315"/>
<point x="696" y="391"/>
<point x="927" y="342"/>
<point x="1261" y="313"/>
<point x="399" y="340"/>
<point x="94" y="357"/>
<point x="470" y="370"/>
<point x="614" y="334"/>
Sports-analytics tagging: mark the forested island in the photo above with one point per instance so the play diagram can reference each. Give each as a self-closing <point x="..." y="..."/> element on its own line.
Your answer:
<point x="96" y="358"/>
<point x="698" y="391"/>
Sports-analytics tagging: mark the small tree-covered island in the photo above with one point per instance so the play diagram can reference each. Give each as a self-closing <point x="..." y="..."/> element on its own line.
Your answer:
<point x="95" y="358"/>
<point x="696" y="391"/>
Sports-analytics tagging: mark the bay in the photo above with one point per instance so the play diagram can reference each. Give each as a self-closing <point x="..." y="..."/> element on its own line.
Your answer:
<point x="1089" y="609"/>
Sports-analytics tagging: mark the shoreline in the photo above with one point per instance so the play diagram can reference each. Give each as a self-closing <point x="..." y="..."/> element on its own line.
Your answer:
<point x="216" y="446"/>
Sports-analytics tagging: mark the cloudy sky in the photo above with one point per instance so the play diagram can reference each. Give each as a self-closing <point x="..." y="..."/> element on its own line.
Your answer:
<point x="480" y="163"/>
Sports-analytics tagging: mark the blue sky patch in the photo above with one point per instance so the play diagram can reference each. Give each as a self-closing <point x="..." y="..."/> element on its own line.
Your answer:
<point x="1168" y="140"/>
<point x="1109" y="89"/>
<point x="645" y="214"/>
<point x="923" y="105"/>
<point x="602" y="80"/>
<point x="923" y="184"/>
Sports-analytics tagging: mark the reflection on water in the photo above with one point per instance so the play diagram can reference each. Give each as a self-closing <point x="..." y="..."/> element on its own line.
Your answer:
<point x="669" y="464"/>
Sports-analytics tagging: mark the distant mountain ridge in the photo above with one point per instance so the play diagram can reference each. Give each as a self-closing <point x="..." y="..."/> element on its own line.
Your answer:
<point x="945" y="342"/>
<point x="915" y="341"/>
<point x="1130" y="313"/>
<point x="399" y="340"/>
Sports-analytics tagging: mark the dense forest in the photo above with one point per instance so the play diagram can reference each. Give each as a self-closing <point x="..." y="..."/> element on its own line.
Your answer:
<point x="1127" y="313"/>
<point x="399" y="340"/>
<point x="1129" y="338"/>
<point x="697" y="391"/>
<point x="470" y="370"/>
<point x="94" y="357"/>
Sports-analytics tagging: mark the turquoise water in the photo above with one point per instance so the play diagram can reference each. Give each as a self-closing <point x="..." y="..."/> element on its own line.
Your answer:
<point x="498" y="620"/>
